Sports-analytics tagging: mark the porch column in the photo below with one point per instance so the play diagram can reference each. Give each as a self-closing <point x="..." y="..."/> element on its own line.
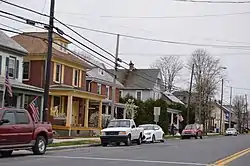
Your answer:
<point x="178" y="125"/>
<point x="86" y="113"/>
<point x="172" y="118"/>
<point x="106" y="109"/>
<point x="23" y="100"/>
<point x="41" y="111"/>
<point x="69" y="112"/>
<point x="124" y="113"/>
<point x="100" y="115"/>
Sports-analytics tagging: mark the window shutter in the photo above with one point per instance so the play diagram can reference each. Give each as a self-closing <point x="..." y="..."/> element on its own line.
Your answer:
<point x="17" y="68"/>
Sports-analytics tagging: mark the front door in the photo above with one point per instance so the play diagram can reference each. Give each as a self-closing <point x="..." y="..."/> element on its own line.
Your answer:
<point x="75" y="113"/>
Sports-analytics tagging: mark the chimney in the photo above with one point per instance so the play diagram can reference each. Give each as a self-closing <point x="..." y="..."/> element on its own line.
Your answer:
<point x="131" y="66"/>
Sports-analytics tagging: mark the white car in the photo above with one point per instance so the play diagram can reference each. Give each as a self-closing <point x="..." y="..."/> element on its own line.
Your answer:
<point x="152" y="133"/>
<point x="231" y="131"/>
<point x="121" y="130"/>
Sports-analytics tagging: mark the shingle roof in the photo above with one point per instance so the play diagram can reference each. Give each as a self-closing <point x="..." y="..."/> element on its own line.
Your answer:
<point x="39" y="46"/>
<point x="172" y="98"/>
<point x="105" y="78"/>
<point x="137" y="78"/>
<point x="8" y="42"/>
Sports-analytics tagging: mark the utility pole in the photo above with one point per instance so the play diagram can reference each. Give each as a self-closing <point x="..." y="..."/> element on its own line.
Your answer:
<point x="48" y="63"/>
<point x="246" y="112"/>
<point x="115" y="76"/>
<point x="221" y="105"/>
<point x="190" y="93"/>
<point x="200" y="84"/>
<point x="230" y="114"/>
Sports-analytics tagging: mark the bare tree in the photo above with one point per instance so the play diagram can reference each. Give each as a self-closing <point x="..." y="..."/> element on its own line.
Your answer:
<point x="170" y="67"/>
<point x="207" y="75"/>
<point x="239" y="105"/>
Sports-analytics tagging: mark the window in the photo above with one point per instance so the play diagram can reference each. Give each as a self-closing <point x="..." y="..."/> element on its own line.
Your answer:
<point x="58" y="73"/>
<point x="76" y="77"/>
<point x="121" y="93"/>
<point x="99" y="88"/>
<point x="57" y="101"/>
<point x="138" y="95"/>
<point x="22" y="118"/>
<point x="11" y="67"/>
<point x="10" y="115"/>
<point x="101" y="72"/>
<point x="107" y="92"/>
<point x="26" y="69"/>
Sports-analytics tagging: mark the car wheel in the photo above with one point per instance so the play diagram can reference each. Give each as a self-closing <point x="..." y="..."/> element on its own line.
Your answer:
<point x="182" y="137"/>
<point x="6" y="153"/>
<point x="117" y="143"/>
<point x="40" y="146"/>
<point x="104" y="144"/>
<point x="196" y="136"/>
<point x="128" y="142"/>
<point x="162" y="139"/>
<point x="153" y="139"/>
<point x="139" y="141"/>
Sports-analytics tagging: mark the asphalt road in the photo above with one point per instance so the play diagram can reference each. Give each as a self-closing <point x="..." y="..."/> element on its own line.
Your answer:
<point x="171" y="153"/>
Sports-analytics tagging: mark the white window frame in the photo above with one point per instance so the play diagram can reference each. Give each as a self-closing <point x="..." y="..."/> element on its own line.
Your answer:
<point x="76" y="71"/>
<point x="136" y="94"/>
<point x="14" y="68"/>
<point x="107" y="92"/>
<point x="99" y="88"/>
<point x="60" y="72"/>
<point x="26" y="79"/>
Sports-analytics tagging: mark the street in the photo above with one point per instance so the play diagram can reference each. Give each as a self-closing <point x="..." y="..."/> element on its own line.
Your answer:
<point x="172" y="153"/>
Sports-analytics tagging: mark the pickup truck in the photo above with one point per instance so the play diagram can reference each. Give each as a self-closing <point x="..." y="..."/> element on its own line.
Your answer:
<point x="122" y="130"/>
<point x="18" y="131"/>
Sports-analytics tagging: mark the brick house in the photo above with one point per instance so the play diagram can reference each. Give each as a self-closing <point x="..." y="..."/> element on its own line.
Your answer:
<point x="70" y="104"/>
<point x="101" y="82"/>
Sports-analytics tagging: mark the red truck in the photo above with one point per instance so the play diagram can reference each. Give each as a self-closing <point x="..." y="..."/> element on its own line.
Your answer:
<point x="18" y="131"/>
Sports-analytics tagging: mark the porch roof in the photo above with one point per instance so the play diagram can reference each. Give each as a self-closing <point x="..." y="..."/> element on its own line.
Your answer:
<point x="67" y="91"/>
<point x="108" y="102"/>
<point x="170" y="110"/>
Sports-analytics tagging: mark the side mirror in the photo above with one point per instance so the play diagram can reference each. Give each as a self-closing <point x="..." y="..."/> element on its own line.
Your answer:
<point x="4" y="121"/>
<point x="133" y="126"/>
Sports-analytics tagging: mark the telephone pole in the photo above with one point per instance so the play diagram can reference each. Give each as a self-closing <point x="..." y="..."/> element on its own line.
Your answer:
<point x="115" y="77"/>
<point x="190" y="92"/>
<point x="246" y="113"/>
<point x="48" y="63"/>
<point x="221" y="105"/>
<point x="230" y="114"/>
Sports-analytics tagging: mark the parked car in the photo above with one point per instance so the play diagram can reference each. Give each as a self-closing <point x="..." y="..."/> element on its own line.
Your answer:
<point x="121" y="130"/>
<point x="192" y="130"/>
<point x="231" y="131"/>
<point x="18" y="131"/>
<point x="152" y="133"/>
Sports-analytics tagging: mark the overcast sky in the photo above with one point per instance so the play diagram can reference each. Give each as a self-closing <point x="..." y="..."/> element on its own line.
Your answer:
<point x="201" y="23"/>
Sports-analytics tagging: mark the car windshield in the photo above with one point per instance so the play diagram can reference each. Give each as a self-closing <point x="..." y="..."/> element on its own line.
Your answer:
<point x="146" y="127"/>
<point x="191" y="126"/>
<point x="119" y="123"/>
<point x="230" y="129"/>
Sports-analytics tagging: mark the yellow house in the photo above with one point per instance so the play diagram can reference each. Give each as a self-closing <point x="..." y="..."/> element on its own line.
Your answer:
<point x="72" y="109"/>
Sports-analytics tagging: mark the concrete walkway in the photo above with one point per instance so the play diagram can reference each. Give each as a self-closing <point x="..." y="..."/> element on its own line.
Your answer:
<point x="75" y="139"/>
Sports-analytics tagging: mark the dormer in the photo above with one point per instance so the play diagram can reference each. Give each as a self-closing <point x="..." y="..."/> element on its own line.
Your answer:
<point x="62" y="43"/>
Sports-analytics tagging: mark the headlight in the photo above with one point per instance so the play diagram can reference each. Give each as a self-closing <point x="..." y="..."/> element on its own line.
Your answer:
<point x="122" y="133"/>
<point x="147" y="133"/>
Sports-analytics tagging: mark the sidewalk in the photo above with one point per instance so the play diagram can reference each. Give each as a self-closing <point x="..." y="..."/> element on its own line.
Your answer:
<point x="76" y="139"/>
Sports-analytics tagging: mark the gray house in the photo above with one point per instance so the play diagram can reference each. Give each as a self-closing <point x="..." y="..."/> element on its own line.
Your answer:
<point x="142" y="84"/>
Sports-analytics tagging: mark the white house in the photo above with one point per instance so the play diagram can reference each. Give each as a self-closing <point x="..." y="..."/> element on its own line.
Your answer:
<point x="11" y="58"/>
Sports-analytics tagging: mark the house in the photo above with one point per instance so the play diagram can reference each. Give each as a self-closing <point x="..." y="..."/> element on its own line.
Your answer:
<point x="142" y="84"/>
<point x="99" y="81"/>
<point x="70" y="105"/>
<point x="183" y="96"/>
<point x="215" y="117"/>
<point x="170" y="98"/>
<point x="11" y="58"/>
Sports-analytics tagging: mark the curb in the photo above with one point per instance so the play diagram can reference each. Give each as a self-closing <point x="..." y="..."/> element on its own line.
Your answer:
<point x="72" y="147"/>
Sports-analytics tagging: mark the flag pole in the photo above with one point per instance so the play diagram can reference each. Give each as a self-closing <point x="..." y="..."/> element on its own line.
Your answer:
<point x="4" y="89"/>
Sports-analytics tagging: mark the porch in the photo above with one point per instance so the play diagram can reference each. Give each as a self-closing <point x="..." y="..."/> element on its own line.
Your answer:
<point x="75" y="112"/>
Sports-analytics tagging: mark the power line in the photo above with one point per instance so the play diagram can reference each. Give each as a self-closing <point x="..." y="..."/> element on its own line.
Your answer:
<point x="158" y="17"/>
<point x="222" y="2"/>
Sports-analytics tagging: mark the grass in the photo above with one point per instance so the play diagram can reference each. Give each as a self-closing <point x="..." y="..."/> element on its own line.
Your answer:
<point x="72" y="143"/>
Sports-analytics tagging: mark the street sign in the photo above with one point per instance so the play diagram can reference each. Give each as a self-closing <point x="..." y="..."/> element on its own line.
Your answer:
<point x="157" y="110"/>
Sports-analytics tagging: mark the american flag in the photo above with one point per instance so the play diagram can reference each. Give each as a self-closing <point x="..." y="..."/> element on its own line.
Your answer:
<point x="7" y="83"/>
<point x="34" y="110"/>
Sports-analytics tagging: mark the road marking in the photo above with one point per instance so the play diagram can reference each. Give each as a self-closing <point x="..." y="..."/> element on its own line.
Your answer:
<point x="232" y="157"/>
<point x="127" y="160"/>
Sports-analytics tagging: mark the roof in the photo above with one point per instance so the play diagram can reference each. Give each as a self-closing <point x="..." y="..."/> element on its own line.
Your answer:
<point x="137" y="78"/>
<point x="226" y="108"/>
<point x="39" y="46"/>
<point x="172" y="98"/>
<point x="106" y="78"/>
<point x="6" y="41"/>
